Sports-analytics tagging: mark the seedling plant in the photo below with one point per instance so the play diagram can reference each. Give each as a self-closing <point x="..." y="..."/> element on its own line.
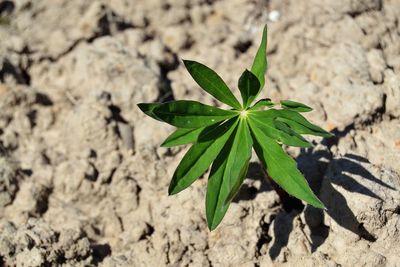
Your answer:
<point x="224" y="138"/>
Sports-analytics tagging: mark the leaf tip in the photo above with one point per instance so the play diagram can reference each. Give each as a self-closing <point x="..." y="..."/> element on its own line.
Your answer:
<point x="318" y="204"/>
<point x="187" y="62"/>
<point x="211" y="226"/>
<point x="141" y="106"/>
<point x="146" y="107"/>
<point x="327" y="134"/>
<point x="171" y="191"/>
<point x="214" y="220"/>
<point x="165" y="144"/>
<point x="174" y="188"/>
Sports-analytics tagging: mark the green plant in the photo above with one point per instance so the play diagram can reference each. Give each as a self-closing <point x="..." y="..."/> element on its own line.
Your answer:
<point x="224" y="138"/>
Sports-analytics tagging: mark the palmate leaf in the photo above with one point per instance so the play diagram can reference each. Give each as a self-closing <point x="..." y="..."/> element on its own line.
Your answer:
<point x="295" y="106"/>
<point x="239" y="182"/>
<point x="200" y="156"/>
<point x="210" y="81"/>
<point x="282" y="168"/>
<point x="260" y="63"/>
<point x="266" y="102"/>
<point x="278" y="131"/>
<point x="303" y="129"/>
<point x="249" y="87"/>
<point x="191" y="114"/>
<point x="289" y="131"/>
<point x="293" y="119"/>
<point x="227" y="174"/>
<point x="182" y="136"/>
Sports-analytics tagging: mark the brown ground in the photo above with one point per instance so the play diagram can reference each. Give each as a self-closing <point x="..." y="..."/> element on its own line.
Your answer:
<point x="84" y="183"/>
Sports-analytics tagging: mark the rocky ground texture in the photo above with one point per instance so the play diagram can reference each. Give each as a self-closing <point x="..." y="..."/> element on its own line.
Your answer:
<point x="83" y="181"/>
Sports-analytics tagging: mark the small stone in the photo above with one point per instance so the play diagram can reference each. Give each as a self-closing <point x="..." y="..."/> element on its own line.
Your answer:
<point x="274" y="15"/>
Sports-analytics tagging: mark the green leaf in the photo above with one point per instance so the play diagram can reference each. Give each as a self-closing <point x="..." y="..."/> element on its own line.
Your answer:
<point x="249" y="87"/>
<point x="200" y="156"/>
<point x="278" y="131"/>
<point x="239" y="182"/>
<point x="191" y="114"/>
<point x="227" y="174"/>
<point x="209" y="80"/>
<point x="148" y="108"/>
<point x="260" y="60"/>
<point x="295" y="106"/>
<point x="301" y="129"/>
<point x="282" y="168"/>
<point x="182" y="136"/>
<point x="295" y="121"/>
<point x="285" y="128"/>
<point x="265" y="102"/>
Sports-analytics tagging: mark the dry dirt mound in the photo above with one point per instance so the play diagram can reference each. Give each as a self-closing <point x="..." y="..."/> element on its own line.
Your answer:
<point x="84" y="183"/>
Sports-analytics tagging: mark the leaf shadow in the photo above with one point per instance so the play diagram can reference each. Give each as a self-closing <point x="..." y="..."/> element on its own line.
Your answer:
<point x="250" y="192"/>
<point x="314" y="164"/>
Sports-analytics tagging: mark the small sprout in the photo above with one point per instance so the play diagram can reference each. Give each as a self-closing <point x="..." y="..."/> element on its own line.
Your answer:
<point x="224" y="138"/>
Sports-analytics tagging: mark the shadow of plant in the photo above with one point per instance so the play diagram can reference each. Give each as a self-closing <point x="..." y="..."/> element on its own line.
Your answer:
<point x="314" y="165"/>
<point x="248" y="192"/>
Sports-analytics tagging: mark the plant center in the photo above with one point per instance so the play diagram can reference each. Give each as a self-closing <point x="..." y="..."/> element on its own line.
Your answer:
<point x="243" y="113"/>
